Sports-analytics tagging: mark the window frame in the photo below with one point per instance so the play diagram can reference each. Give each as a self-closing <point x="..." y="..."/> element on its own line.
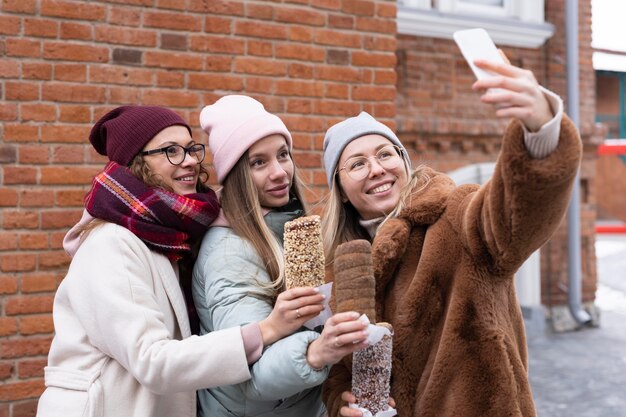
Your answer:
<point x="516" y="23"/>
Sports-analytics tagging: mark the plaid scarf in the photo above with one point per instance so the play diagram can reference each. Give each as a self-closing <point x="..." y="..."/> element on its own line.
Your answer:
<point x="166" y="222"/>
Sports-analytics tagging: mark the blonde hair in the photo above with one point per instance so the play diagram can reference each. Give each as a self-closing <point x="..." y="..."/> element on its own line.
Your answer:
<point x="240" y="203"/>
<point x="340" y="221"/>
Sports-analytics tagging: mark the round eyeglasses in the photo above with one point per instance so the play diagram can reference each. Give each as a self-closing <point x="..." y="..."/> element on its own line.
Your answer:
<point x="359" y="167"/>
<point x="176" y="154"/>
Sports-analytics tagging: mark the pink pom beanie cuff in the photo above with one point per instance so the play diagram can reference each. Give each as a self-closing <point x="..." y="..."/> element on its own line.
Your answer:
<point x="234" y="123"/>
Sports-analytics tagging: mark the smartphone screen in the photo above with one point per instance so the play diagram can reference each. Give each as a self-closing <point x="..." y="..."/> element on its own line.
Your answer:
<point x="477" y="44"/>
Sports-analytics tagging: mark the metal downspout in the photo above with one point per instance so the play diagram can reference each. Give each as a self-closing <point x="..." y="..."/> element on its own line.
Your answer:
<point x="574" y="294"/>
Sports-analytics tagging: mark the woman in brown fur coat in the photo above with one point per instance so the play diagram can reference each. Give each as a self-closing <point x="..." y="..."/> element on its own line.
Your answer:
<point x="444" y="256"/>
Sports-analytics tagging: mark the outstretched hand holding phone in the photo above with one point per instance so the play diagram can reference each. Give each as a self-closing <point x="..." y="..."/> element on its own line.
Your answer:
<point x="513" y="91"/>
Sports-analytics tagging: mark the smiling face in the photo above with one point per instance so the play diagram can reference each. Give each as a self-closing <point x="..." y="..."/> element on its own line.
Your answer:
<point x="378" y="193"/>
<point x="183" y="178"/>
<point x="272" y="170"/>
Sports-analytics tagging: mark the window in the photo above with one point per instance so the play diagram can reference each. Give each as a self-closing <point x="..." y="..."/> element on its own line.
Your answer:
<point x="610" y="102"/>
<point x="509" y="22"/>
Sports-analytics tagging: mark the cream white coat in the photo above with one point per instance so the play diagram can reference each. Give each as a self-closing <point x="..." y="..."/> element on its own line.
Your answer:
<point x="123" y="346"/>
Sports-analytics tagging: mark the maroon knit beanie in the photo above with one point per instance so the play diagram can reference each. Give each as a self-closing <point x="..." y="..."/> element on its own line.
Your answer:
<point x="123" y="132"/>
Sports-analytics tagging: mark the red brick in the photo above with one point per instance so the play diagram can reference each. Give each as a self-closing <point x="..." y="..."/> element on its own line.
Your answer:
<point x="259" y="85"/>
<point x="171" y="4"/>
<point x="23" y="48"/>
<point x="8" y="284"/>
<point x="120" y="75"/>
<point x="215" y="82"/>
<point x="171" y="98"/>
<point x="303" y="16"/>
<point x="6" y="372"/>
<point x="260" y="30"/>
<point x="302" y="106"/>
<point x="10" y="25"/>
<point x="70" y="198"/>
<point x="8" y="326"/>
<point x="19" y="6"/>
<point x="17" y="262"/>
<point x="73" y="10"/>
<point x="36" y="324"/>
<point x="126" y="36"/>
<point x="74" y="114"/>
<point x="41" y="28"/>
<point x="169" y="79"/>
<point x="218" y="63"/>
<point x="259" y="11"/>
<point x="301" y="34"/>
<point x="56" y="239"/>
<point x="70" y="72"/>
<point x="21" y="91"/>
<point x="341" y="21"/>
<point x="38" y="112"/>
<point x="334" y="73"/>
<point x="20" y="219"/>
<point x="337" y="108"/>
<point x="26" y="408"/>
<point x="367" y="24"/>
<point x="217" y="44"/>
<point x="302" y="124"/>
<point x="68" y="154"/>
<point x="214" y="24"/>
<point x="36" y="71"/>
<point x="359" y="7"/>
<point x="224" y="7"/>
<point x="36" y="198"/>
<point x="337" y="38"/>
<point x="174" y="41"/>
<point x="34" y="154"/>
<point x="73" y="93"/>
<point x="367" y="59"/>
<point x="124" y="95"/>
<point x="327" y="4"/>
<point x="173" y="60"/>
<point x="31" y="368"/>
<point x="388" y="76"/>
<point x="259" y="66"/>
<point x="75" y="52"/>
<point x="9" y="68"/>
<point x="19" y="175"/>
<point x="78" y="31"/>
<point x="300" y="52"/>
<point x="380" y="43"/>
<point x="39" y="282"/>
<point x="8" y="241"/>
<point x="59" y="218"/>
<point x="33" y="241"/>
<point x="174" y="21"/>
<point x="15" y="391"/>
<point x="8" y="197"/>
<point x="20" y="133"/>
<point x="387" y="10"/>
<point x="362" y="92"/>
<point x="299" y="70"/>
<point x="307" y="159"/>
<point x="259" y="48"/>
<point x="65" y="133"/>
<point x="30" y="304"/>
<point x="300" y="88"/>
<point x="67" y="175"/>
<point x="125" y="16"/>
<point x="8" y="112"/>
<point x="54" y="259"/>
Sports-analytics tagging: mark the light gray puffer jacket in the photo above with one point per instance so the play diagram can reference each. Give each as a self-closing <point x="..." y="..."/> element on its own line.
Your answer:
<point x="226" y="293"/>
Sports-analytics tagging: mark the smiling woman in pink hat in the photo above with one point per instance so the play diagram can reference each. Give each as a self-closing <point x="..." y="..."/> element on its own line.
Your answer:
<point x="239" y="272"/>
<point x="124" y="343"/>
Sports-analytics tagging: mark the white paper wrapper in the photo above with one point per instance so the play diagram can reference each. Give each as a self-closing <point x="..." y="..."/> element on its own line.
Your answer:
<point x="389" y="412"/>
<point x="326" y="313"/>
<point x="375" y="333"/>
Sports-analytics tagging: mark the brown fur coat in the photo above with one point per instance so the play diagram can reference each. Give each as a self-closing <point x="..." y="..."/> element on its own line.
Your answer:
<point x="444" y="278"/>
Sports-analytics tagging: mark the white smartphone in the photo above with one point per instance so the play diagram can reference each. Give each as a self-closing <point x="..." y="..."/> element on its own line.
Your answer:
<point x="477" y="44"/>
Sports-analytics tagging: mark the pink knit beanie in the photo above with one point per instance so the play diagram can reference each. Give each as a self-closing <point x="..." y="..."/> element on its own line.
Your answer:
<point x="234" y="123"/>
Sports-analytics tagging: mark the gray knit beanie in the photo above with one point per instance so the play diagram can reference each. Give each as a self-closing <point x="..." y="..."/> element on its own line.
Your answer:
<point x="344" y="132"/>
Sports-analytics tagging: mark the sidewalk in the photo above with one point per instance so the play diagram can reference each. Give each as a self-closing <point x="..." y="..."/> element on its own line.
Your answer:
<point x="583" y="373"/>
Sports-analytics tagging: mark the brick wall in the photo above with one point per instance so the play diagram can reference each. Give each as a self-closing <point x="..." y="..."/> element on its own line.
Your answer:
<point x="441" y="120"/>
<point x="65" y="63"/>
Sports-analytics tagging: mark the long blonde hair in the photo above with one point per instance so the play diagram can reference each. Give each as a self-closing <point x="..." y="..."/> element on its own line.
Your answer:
<point x="240" y="202"/>
<point x="340" y="221"/>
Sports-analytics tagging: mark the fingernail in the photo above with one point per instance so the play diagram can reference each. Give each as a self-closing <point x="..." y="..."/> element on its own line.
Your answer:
<point x="316" y="289"/>
<point x="354" y="315"/>
<point x="323" y="296"/>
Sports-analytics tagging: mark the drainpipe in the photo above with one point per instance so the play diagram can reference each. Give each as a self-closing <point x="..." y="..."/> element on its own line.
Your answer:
<point x="574" y="294"/>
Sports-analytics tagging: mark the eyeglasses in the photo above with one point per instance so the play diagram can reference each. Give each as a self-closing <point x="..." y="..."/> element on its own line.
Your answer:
<point x="359" y="167"/>
<point x="176" y="154"/>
